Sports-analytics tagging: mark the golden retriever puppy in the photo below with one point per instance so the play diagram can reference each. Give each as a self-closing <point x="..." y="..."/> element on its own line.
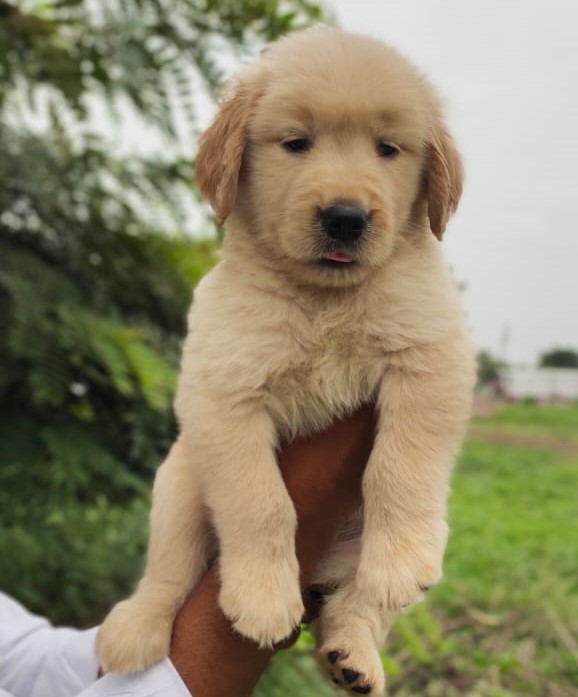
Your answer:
<point x="331" y="166"/>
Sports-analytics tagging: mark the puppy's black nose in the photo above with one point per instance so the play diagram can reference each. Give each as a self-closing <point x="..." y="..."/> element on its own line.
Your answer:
<point x="343" y="222"/>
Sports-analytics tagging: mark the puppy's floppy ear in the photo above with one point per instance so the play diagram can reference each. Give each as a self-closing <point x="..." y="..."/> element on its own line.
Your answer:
<point x="222" y="145"/>
<point x="443" y="178"/>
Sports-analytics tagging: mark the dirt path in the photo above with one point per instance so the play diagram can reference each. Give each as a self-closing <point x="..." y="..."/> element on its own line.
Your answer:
<point x="524" y="441"/>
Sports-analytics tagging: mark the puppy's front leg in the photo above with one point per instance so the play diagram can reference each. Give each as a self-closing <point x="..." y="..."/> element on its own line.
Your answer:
<point x="137" y="631"/>
<point x="254" y="517"/>
<point x="423" y="406"/>
<point x="423" y="411"/>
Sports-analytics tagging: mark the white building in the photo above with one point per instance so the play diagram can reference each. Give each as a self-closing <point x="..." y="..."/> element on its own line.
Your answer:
<point x="542" y="384"/>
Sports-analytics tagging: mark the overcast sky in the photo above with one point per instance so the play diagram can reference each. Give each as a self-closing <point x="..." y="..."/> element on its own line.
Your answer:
<point x="508" y="70"/>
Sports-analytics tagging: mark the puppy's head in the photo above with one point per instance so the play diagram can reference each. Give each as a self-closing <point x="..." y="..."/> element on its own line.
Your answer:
<point x="326" y="151"/>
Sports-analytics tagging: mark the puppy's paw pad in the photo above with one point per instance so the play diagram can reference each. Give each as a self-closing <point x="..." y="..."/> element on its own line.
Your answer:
<point x="357" y="671"/>
<point x="333" y="656"/>
<point x="349" y="675"/>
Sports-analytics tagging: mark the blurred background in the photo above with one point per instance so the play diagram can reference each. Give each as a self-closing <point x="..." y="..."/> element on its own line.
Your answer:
<point x="103" y="236"/>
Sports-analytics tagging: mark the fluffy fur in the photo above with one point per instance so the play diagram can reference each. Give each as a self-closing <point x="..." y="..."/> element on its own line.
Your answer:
<point x="281" y="343"/>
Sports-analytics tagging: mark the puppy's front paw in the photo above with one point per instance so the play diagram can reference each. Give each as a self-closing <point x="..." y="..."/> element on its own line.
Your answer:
<point x="347" y="641"/>
<point x="133" y="637"/>
<point x="409" y="568"/>
<point x="265" y="604"/>
<point x="405" y="581"/>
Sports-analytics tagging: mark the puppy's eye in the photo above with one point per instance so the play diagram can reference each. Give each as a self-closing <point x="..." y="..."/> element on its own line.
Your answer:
<point x="297" y="144"/>
<point x="387" y="150"/>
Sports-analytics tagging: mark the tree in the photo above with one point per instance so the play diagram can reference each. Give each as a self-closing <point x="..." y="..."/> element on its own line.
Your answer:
<point x="489" y="368"/>
<point x="559" y="358"/>
<point x="96" y="271"/>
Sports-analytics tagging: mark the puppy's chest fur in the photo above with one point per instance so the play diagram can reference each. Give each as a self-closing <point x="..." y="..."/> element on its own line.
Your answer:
<point x="332" y="366"/>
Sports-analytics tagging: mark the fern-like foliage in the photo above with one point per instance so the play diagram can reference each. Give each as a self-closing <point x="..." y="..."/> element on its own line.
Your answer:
<point x="99" y="253"/>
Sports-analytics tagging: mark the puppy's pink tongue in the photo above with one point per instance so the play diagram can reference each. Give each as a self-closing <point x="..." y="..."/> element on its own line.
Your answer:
<point x="339" y="256"/>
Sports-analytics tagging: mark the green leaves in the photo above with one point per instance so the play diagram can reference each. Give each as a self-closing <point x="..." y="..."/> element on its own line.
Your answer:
<point x="154" y="53"/>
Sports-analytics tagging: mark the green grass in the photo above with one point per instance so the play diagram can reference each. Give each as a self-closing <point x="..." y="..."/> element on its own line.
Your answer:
<point x="504" y="622"/>
<point x="511" y="514"/>
<point x="527" y="419"/>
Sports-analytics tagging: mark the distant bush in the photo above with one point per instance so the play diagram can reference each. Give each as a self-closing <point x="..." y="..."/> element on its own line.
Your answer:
<point x="559" y="358"/>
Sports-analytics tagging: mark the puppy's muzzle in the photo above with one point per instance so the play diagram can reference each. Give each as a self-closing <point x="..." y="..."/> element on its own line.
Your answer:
<point x="344" y="222"/>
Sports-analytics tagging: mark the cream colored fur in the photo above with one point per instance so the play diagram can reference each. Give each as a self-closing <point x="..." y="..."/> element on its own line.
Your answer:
<point x="279" y="345"/>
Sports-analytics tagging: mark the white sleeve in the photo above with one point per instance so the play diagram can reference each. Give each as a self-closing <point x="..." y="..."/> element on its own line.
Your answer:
<point x="162" y="680"/>
<point x="39" y="660"/>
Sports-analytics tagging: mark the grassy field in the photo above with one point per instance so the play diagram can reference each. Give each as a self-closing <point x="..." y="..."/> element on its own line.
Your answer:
<point x="504" y="623"/>
<point x="557" y="423"/>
